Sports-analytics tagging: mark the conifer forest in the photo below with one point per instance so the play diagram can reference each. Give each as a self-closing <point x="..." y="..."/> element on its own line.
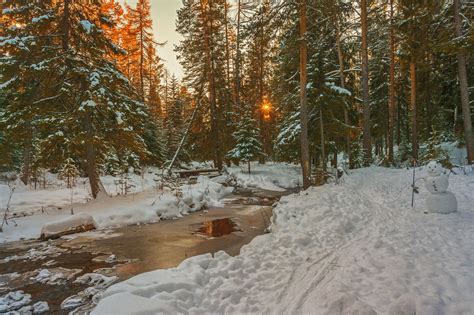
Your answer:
<point x="270" y="98"/>
<point x="302" y="81"/>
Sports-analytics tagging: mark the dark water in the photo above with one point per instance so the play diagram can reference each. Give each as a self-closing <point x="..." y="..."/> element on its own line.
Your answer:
<point x="140" y="248"/>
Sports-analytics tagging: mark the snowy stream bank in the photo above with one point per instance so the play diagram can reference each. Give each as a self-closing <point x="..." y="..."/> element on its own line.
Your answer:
<point x="354" y="248"/>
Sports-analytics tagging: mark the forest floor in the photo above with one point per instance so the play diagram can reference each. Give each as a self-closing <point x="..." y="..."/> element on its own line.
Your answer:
<point x="356" y="247"/>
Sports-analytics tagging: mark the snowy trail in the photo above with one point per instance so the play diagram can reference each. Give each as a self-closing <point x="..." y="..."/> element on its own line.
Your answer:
<point x="358" y="247"/>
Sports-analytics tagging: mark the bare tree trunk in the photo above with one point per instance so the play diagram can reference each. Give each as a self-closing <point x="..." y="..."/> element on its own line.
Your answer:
<point x="66" y="27"/>
<point x="340" y="56"/>
<point x="227" y="55"/>
<point x="305" y="163"/>
<point x="463" y="85"/>
<point x="26" y="163"/>
<point x="207" y="18"/>
<point x="323" y="141"/>
<point x="188" y="129"/>
<point x="391" y="99"/>
<point x="367" y="141"/>
<point x="413" y="108"/>
<point x="142" y="60"/>
<point x="237" y="60"/>
<point x="261" y="158"/>
<point x="91" y="160"/>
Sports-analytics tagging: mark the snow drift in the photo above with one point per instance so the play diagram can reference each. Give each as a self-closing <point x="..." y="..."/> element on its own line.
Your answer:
<point x="276" y="177"/>
<point x="74" y="224"/>
<point x="355" y="248"/>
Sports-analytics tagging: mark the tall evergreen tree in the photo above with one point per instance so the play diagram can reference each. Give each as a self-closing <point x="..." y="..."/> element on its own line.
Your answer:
<point x="78" y="102"/>
<point x="248" y="146"/>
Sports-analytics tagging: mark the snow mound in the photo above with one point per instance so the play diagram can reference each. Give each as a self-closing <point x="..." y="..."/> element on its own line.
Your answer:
<point x="352" y="248"/>
<point x="276" y="177"/>
<point x="37" y="253"/>
<point x="96" y="279"/>
<point x="14" y="301"/>
<point x="55" y="276"/>
<point x="80" y="222"/>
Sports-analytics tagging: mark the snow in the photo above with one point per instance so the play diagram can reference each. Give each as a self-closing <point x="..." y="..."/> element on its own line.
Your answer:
<point x="88" y="103"/>
<point x="40" y="18"/>
<point x="32" y="209"/>
<point x="37" y="253"/>
<point x="338" y="89"/>
<point x="55" y="276"/>
<point x="96" y="280"/>
<point x="67" y="224"/>
<point x="14" y="301"/>
<point x="87" y="26"/>
<point x="276" y="177"/>
<point x="357" y="247"/>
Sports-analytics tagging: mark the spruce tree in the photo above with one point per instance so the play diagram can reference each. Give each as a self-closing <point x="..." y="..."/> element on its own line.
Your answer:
<point x="247" y="137"/>
<point x="63" y="86"/>
<point x="69" y="173"/>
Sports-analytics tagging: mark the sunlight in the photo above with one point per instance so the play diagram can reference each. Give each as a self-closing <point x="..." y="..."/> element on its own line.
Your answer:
<point x="266" y="108"/>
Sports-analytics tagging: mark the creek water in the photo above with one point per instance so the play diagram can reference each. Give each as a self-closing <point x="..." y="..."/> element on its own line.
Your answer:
<point x="127" y="251"/>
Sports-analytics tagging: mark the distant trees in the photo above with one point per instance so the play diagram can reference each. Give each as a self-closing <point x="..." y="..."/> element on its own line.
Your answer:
<point x="202" y="54"/>
<point x="395" y="83"/>
<point x="320" y="81"/>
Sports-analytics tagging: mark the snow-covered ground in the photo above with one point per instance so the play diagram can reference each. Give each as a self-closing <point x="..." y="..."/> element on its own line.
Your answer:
<point x="145" y="204"/>
<point x="270" y="176"/>
<point x="27" y="200"/>
<point x="354" y="248"/>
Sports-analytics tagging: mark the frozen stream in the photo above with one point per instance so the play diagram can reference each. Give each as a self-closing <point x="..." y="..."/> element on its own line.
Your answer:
<point x="127" y="251"/>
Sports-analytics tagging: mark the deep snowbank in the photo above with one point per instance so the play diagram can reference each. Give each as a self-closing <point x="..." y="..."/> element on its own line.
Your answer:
<point x="276" y="177"/>
<point x="27" y="200"/>
<point x="354" y="248"/>
<point x="151" y="205"/>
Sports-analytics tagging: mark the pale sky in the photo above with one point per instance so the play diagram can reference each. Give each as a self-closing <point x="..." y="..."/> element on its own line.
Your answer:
<point x="163" y="13"/>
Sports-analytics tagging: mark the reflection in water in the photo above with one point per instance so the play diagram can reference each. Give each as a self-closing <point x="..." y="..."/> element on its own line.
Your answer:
<point x="218" y="227"/>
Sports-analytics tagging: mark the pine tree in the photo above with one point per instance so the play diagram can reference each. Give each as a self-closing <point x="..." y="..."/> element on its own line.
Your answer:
<point x="140" y="38"/>
<point x="202" y="55"/>
<point x="63" y="86"/>
<point x="248" y="146"/>
<point x="69" y="173"/>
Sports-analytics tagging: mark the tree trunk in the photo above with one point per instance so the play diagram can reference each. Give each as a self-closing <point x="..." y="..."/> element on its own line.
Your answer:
<point x="323" y="141"/>
<point x="343" y="85"/>
<point x="91" y="159"/>
<point x="66" y="27"/>
<point x="261" y="158"/>
<point x="207" y="18"/>
<point x="248" y="164"/>
<point x="305" y="163"/>
<point x="26" y="163"/>
<point x="463" y="85"/>
<point x="237" y="61"/>
<point x="414" y="132"/>
<point x="367" y="141"/>
<point x="391" y="100"/>
<point x="227" y="55"/>
<point x="142" y="60"/>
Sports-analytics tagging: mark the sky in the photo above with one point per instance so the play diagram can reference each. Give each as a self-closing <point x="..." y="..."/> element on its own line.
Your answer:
<point x="163" y="13"/>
